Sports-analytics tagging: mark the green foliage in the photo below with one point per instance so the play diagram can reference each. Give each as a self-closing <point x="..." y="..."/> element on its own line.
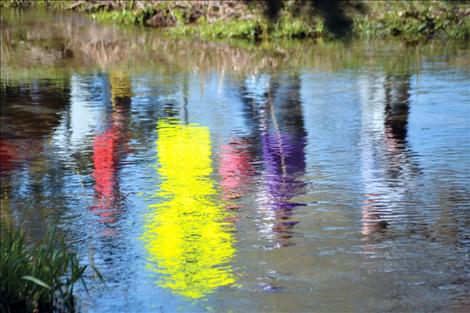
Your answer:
<point x="56" y="4"/>
<point x="293" y="27"/>
<point x="460" y="31"/>
<point x="246" y="29"/>
<point x="408" y="20"/>
<point x="52" y="4"/>
<point x="126" y="17"/>
<point x="415" y="20"/>
<point x="14" y="3"/>
<point x="286" y="27"/>
<point x="39" y="277"/>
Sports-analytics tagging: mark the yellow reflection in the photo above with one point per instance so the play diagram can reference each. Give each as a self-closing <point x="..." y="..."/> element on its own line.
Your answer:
<point x="120" y="85"/>
<point x="186" y="236"/>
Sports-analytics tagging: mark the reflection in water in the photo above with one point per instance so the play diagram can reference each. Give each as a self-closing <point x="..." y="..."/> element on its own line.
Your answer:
<point x="108" y="150"/>
<point x="186" y="236"/>
<point x="386" y="166"/>
<point x="66" y="126"/>
<point x="29" y="112"/>
<point x="397" y="103"/>
<point x="8" y="154"/>
<point x="283" y="143"/>
<point x="235" y="169"/>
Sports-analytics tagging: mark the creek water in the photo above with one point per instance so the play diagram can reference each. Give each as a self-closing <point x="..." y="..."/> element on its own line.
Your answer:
<point x="240" y="177"/>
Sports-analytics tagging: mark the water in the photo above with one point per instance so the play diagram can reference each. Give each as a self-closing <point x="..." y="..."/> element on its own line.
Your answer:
<point x="295" y="176"/>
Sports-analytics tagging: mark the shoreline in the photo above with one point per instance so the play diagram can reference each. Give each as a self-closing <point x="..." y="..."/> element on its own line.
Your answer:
<point x="410" y="21"/>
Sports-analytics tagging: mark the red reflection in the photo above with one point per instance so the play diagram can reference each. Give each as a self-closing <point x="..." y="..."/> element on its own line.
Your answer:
<point x="109" y="148"/>
<point x="107" y="152"/>
<point x="8" y="155"/>
<point x="235" y="169"/>
<point x="14" y="152"/>
<point x="104" y="160"/>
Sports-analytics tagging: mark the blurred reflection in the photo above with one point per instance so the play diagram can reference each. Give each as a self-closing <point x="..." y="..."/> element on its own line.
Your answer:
<point x="235" y="169"/>
<point x="63" y="148"/>
<point x="9" y="154"/>
<point x="29" y="113"/>
<point x="397" y="103"/>
<point x="109" y="148"/>
<point x="186" y="236"/>
<point x="386" y="165"/>
<point x="282" y="137"/>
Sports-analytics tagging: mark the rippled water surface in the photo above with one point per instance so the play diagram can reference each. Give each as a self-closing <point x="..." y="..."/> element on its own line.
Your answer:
<point x="234" y="177"/>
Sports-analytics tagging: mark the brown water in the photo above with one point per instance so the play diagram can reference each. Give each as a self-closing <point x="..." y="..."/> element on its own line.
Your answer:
<point x="233" y="177"/>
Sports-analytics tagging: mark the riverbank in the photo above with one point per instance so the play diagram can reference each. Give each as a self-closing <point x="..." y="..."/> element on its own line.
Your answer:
<point x="261" y="20"/>
<point x="53" y="44"/>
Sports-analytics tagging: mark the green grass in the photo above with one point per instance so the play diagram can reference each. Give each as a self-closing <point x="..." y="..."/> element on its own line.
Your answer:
<point x="252" y="29"/>
<point x="404" y="19"/>
<point x="289" y="26"/>
<point x="126" y="17"/>
<point x="37" y="277"/>
<point x="407" y="20"/>
<point x="246" y="29"/>
<point x="414" y="20"/>
<point x="53" y="4"/>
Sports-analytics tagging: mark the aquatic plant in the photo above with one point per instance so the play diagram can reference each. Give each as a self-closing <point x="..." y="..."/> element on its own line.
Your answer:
<point x="40" y="277"/>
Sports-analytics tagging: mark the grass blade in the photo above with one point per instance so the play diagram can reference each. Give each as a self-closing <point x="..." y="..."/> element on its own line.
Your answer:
<point x="36" y="281"/>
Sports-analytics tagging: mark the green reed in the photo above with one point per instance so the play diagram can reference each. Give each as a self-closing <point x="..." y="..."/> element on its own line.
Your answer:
<point x="40" y="277"/>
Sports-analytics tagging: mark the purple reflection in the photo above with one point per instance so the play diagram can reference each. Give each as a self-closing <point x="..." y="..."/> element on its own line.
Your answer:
<point x="284" y="163"/>
<point x="283" y="155"/>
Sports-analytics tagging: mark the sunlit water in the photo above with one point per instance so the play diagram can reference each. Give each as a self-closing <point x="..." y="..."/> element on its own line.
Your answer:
<point x="303" y="177"/>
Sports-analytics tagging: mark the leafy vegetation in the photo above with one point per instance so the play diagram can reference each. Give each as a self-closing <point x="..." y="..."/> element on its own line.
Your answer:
<point x="249" y="19"/>
<point x="40" y="277"/>
<point x="248" y="29"/>
<point x="61" y="4"/>
<point x="414" y="20"/>
<point x="125" y="17"/>
<point x="253" y="29"/>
